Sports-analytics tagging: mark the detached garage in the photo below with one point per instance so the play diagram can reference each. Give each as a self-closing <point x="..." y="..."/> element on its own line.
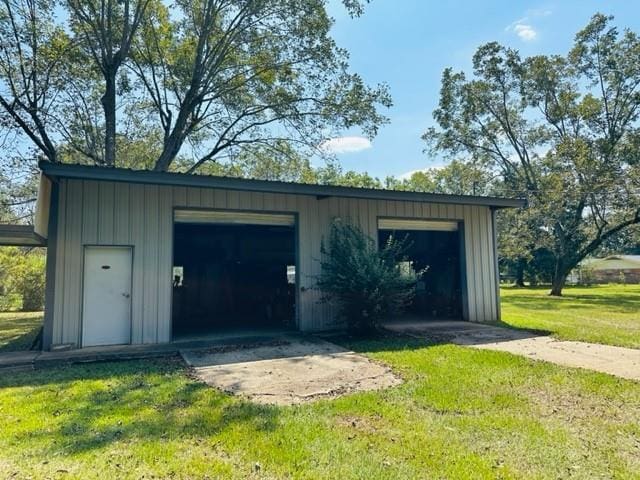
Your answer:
<point x="140" y="257"/>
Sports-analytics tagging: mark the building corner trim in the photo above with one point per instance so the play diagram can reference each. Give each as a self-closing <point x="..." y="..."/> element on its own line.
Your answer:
<point x="496" y="263"/>
<point x="49" y="294"/>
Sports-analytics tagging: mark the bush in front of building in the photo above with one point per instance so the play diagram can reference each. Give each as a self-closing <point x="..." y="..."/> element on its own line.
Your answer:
<point x="369" y="284"/>
<point x="9" y="302"/>
<point x="22" y="275"/>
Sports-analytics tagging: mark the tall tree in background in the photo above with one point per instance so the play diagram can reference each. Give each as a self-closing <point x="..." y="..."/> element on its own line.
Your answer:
<point x="455" y="178"/>
<point x="105" y="31"/>
<point x="223" y="77"/>
<point x="561" y="130"/>
<point x="231" y="75"/>
<point x="19" y="182"/>
<point x="32" y="58"/>
<point x="291" y="166"/>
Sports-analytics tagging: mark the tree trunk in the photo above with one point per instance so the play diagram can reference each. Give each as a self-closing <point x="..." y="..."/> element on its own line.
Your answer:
<point x="556" y="286"/>
<point x="520" y="272"/>
<point x="172" y="145"/>
<point x="109" y="106"/>
<point x="559" y="279"/>
<point x="173" y="142"/>
<point x="169" y="152"/>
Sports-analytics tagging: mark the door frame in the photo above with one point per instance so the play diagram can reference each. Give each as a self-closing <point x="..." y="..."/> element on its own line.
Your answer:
<point x="464" y="289"/>
<point x="296" y="246"/>
<point x="84" y="252"/>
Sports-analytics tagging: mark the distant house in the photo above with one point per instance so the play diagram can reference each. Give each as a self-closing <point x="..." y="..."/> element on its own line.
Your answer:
<point x="150" y="257"/>
<point x="611" y="269"/>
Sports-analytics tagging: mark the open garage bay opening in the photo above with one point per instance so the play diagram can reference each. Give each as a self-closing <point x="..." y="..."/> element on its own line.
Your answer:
<point x="436" y="246"/>
<point x="233" y="273"/>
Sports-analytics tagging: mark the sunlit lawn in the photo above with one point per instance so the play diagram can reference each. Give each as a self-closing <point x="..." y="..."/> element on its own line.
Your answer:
<point x="607" y="314"/>
<point x="462" y="413"/>
<point x="18" y="330"/>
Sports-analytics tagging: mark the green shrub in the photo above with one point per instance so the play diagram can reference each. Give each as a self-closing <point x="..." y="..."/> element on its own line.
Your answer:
<point x="369" y="284"/>
<point x="22" y="273"/>
<point x="10" y="302"/>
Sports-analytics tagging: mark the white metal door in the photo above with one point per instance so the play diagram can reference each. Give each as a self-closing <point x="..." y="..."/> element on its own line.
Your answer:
<point x="106" y="307"/>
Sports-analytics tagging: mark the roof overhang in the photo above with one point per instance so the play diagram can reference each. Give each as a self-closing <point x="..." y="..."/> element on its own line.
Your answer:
<point x="83" y="172"/>
<point x="20" y="236"/>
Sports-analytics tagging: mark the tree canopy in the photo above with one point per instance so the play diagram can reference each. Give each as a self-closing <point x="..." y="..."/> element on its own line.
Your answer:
<point x="207" y="79"/>
<point x="561" y="130"/>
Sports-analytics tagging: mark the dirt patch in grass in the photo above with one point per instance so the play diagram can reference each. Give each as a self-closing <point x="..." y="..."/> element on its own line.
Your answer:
<point x="586" y="415"/>
<point x="204" y="352"/>
<point x="571" y="407"/>
<point x="361" y="424"/>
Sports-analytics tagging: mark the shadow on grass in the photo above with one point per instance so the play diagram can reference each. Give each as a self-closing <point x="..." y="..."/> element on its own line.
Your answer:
<point x="534" y="332"/>
<point x="426" y="334"/>
<point x="18" y="331"/>
<point x="22" y="342"/>
<point x="152" y="400"/>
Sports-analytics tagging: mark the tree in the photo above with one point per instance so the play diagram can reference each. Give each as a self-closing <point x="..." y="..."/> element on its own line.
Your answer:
<point x="560" y="130"/>
<point x="456" y="178"/>
<point x="262" y="164"/>
<point x="22" y="274"/>
<point x="18" y="191"/>
<point x="228" y="74"/>
<point x="290" y="166"/>
<point x="368" y="283"/>
<point x="212" y="78"/>
<point x="627" y="243"/>
<point x="32" y="52"/>
<point x="105" y="30"/>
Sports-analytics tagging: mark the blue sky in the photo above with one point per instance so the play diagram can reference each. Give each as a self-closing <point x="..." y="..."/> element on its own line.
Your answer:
<point x="407" y="44"/>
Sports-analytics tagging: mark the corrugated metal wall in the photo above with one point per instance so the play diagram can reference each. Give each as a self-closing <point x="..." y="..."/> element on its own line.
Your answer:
<point x="108" y="213"/>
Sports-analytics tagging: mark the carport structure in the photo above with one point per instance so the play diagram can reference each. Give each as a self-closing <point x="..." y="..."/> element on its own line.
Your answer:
<point x="20" y="236"/>
<point x="139" y="257"/>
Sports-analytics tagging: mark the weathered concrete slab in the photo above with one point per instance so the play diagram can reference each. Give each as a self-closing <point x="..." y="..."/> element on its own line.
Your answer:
<point x="618" y="361"/>
<point x="39" y="359"/>
<point x="17" y="360"/>
<point x="289" y="371"/>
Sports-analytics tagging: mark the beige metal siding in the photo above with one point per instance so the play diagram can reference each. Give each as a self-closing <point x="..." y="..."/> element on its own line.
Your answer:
<point x="107" y="213"/>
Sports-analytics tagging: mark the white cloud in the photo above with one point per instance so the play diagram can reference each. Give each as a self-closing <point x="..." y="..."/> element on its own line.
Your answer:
<point x="345" y="144"/>
<point x="523" y="27"/>
<point x="526" y="32"/>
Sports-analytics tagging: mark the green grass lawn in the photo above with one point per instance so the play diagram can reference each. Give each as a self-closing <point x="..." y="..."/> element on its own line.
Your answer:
<point x="461" y="413"/>
<point x="607" y="314"/>
<point x="18" y="330"/>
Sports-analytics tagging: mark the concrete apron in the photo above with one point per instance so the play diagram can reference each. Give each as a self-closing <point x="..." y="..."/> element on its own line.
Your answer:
<point x="618" y="361"/>
<point x="288" y="371"/>
<point x="282" y="369"/>
<point x="27" y="360"/>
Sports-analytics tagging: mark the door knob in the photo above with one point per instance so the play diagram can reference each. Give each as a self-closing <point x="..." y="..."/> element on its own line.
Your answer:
<point x="126" y="295"/>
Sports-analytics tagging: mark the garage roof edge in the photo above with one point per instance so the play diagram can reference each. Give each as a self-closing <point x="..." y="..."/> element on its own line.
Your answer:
<point x="20" y="236"/>
<point x="84" y="172"/>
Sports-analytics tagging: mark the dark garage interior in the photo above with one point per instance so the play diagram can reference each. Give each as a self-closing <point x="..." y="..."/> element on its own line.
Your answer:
<point x="232" y="277"/>
<point x="439" y="291"/>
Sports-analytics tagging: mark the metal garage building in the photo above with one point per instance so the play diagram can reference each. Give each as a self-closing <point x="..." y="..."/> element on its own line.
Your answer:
<point x="145" y="257"/>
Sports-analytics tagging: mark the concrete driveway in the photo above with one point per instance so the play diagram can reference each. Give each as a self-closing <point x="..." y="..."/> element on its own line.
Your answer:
<point x="618" y="361"/>
<point x="288" y="370"/>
